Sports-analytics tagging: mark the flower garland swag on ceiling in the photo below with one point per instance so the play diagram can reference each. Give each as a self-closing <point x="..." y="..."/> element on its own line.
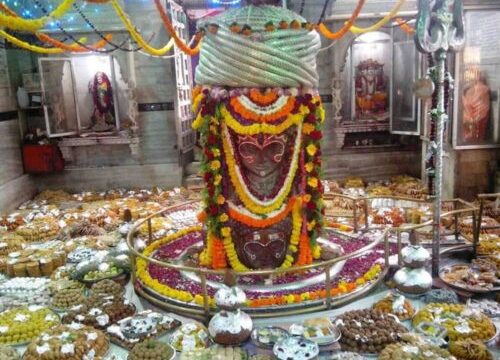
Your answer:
<point x="260" y="121"/>
<point x="349" y="25"/>
<point x="58" y="46"/>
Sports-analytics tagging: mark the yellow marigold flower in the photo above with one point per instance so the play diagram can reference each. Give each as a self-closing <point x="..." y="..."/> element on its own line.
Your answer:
<point x="293" y="248"/>
<point x="307" y="198"/>
<point x="217" y="179"/>
<point x="312" y="182"/>
<point x="290" y="299"/>
<point x="223" y="218"/>
<point x="216" y="152"/>
<point x="213" y="129"/>
<point x="311" y="149"/>
<point x="225" y="231"/>
<point x="307" y="128"/>
<point x="309" y="167"/>
<point x="322" y="113"/>
<point x="311" y="225"/>
<point x="304" y="296"/>
<point x="360" y="281"/>
<point x="316" y="253"/>
<point x="215" y="164"/>
<point x="221" y="200"/>
<point x="304" y="110"/>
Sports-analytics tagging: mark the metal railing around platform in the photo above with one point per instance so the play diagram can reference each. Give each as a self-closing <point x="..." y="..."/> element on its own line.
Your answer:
<point x="325" y="304"/>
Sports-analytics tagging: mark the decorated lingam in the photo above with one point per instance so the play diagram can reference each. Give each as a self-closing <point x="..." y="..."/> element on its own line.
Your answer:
<point x="259" y="116"/>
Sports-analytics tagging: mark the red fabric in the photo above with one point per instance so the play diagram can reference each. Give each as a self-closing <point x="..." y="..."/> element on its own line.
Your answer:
<point x="41" y="159"/>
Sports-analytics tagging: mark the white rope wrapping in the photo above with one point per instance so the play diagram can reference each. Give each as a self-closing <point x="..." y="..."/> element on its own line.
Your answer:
<point x="281" y="58"/>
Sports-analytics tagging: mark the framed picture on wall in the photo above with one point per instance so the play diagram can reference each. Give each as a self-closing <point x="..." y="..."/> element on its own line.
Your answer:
<point x="477" y="74"/>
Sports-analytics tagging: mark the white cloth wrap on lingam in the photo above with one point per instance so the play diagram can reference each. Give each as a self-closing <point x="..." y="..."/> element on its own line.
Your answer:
<point x="281" y="58"/>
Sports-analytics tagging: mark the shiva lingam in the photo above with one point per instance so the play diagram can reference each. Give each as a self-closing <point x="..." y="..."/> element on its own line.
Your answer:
<point x="260" y="126"/>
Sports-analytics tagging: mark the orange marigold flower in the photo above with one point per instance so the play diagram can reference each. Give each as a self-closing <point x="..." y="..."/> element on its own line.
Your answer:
<point x="307" y="128"/>
<point x="221" y="200"/>
<point x="309" y="167"/>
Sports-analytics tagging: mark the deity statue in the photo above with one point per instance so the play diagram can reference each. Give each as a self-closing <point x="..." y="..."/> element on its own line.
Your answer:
<point x="476" y="109"/>
<point x="102" y="95"/>
<point x="371" y="91"/>
<point x="259" y="116"/>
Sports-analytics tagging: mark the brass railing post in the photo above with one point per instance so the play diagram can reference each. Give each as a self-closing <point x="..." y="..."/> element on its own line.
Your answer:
<point x="150" y="231"/>
<point x="328" y="288"/>
<point x="206" y="305"/>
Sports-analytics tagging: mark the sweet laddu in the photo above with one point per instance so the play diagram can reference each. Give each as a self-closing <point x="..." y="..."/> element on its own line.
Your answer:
<point x="259" y="116"/>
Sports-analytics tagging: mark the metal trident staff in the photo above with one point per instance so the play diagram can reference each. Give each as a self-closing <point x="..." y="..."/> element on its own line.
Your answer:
<point x="440" y="28"/>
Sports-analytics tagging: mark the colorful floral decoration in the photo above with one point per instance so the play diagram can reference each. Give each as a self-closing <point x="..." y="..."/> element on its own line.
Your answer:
<point x="259" y="117"/>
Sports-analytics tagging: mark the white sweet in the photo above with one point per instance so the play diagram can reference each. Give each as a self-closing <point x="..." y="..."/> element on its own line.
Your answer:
<point x="21" y="317"/>
<point x="43" y="349"/>
<point x="415" y="253"/>
<point x="91" y="336"/>
<point x="102" y="320"/>
<point x="233" y="322"/>
<point x="398" y="304"/>
<point x="68" y="348"/>
<point x="76" y="326"/>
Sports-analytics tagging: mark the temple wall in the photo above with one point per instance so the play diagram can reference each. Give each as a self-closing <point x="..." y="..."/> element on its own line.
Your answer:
<point x="14" y="186"/>
<point x="106" y="166"/>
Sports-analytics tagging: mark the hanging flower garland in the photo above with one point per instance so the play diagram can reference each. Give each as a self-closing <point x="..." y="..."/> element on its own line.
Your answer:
<point x="394" y="11"/>
<point x="403" y="25"/>
<point x="266" y="98"/>
<point x="239" y="215"/>
<point x="249" y="110"/>
<point x="173" y="33"/>
<point x="314" y="207"/>
<point x="48" y="39"/>
<point x="136" y="36"/>
<point x="344" y="29"/>
<point x="251" y="202"/>
<point x="261" y="128"/>
<point x="33" y="25"/>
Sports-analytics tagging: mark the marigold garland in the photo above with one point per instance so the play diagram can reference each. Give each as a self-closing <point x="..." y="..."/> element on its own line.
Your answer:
<point x="382" y="22"/>
<point x="404" y="26"/>
<point x="171" y="30"/>
<point x="136" y="36"/>
<point x="262" y="128"/>
<point x="261" y="114"/>
<point x="344" y="29"/>
<point x="33" y="25"/>
<point x="263" y="98"/>
<point x="54" y="42"/>
<point x="251" y="203"/>
<point x="185" y="296"/>
<point x="262" y="223"/>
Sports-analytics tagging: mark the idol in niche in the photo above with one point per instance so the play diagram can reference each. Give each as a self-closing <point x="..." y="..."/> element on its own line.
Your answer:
<point x="102" y="96"/>
<point x="371" y="91"/>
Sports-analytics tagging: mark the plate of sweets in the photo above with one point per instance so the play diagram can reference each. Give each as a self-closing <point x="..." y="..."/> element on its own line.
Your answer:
<point x="296" y="348"/>
<point x="461" y="322"/>
<point x="145" y="324"/>
<point x="267" y="336"/>
<point x="23" y="324"/>
<point x="190" y="336"/>
<point x="321" y="331"/>
<point x="481" y="276"/>
<point x="68" y="342"/>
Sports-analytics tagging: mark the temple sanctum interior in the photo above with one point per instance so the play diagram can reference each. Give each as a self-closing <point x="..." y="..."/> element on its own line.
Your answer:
<point x="249" y="179"/>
